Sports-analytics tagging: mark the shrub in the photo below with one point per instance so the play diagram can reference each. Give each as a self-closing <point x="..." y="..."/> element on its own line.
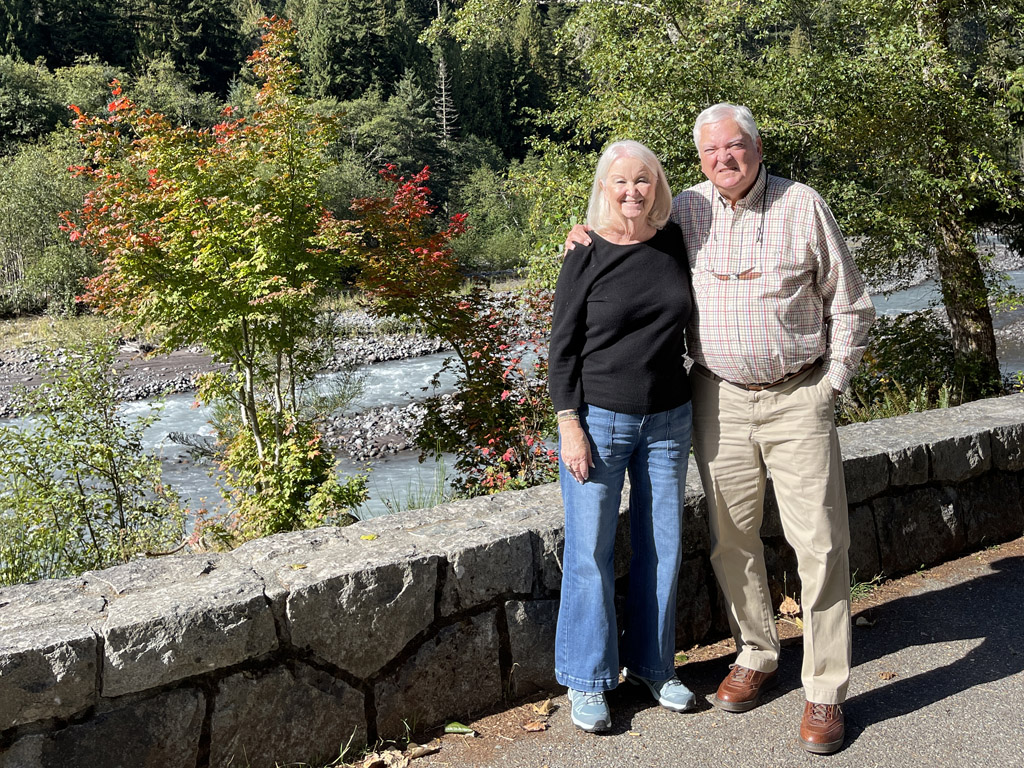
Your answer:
<point x="499" y="414"/>
<point x="76" y="488"/>
<point x="908" y="363"/>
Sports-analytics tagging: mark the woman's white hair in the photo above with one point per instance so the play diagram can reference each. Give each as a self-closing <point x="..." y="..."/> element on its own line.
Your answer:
<point x="726" y="111"/>
<point x="599" y="214"/>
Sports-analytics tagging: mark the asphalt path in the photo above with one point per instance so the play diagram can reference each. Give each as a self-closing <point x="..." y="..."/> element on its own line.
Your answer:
<point x="938" y="681"/>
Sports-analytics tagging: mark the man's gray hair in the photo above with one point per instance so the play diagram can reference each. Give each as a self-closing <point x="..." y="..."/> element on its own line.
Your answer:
<point x="726" y="111"/>
<point x="599" y="213"/>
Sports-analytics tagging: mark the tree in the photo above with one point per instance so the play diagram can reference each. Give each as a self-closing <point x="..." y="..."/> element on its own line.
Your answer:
<point x="39" y="268"/>
<point x="500" y="411"/>
<point x="346" y="46"/>
<point x="202" y="37"/>
<point x="207" y="237"/>
<point x="837" y="88"/>
<point x="29" y="104"/>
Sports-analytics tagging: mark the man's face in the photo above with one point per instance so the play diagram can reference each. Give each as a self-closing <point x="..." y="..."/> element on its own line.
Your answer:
<point x="729" y="158"/>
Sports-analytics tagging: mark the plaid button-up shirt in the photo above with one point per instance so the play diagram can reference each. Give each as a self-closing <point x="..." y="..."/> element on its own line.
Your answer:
<point x="774" y="284"/>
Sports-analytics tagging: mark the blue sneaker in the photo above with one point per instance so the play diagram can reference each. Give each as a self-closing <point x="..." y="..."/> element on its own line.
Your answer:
<point x="590" y="711"/>
<point x="670" y="693"/>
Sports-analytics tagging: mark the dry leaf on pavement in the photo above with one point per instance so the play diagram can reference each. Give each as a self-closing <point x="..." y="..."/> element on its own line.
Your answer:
<point x="544" y="708"/>
<point x="414" y="750"/>
<point x="535" y="725"/>
<point x="789" y="607"/>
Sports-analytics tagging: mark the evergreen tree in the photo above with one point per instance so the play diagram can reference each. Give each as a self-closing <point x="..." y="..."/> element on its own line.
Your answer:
<point x="444" y="108"/>
<point x="344" y="47"/>
<point x="13" y="23"/>
<point x="69" y="29"/>
<point x="202" y="37"/>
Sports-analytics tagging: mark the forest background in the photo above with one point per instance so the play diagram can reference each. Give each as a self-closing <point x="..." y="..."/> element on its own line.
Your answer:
<point x="906" y="115"/>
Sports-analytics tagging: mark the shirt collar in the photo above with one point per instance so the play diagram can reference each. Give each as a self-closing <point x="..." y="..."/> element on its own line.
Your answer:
<point x="754" y="195"/>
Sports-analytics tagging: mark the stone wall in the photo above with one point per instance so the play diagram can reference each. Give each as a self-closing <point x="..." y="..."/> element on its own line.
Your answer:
<point x="288" y="647"/>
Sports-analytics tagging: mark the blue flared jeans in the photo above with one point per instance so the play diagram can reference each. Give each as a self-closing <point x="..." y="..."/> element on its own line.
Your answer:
<point x="654" y="450"/>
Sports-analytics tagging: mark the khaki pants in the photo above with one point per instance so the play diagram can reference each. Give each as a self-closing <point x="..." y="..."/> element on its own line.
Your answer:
<point x="788" y="430"/>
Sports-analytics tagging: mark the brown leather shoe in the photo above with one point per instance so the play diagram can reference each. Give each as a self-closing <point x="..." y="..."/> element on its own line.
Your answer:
<point x="822" y="730"/>
<point x="742" y="688"/>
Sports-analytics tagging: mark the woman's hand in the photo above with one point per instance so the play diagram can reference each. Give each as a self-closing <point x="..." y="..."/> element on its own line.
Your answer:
<point x="575" y="450"/>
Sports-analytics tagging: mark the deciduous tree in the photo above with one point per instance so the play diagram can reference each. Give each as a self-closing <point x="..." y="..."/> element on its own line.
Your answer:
<point x="207" y="236"/>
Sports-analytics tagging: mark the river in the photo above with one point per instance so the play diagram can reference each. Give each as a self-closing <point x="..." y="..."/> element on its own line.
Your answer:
<point x="400" y="480"/>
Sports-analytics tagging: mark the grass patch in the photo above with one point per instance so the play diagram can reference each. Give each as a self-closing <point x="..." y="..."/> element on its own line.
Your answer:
<point x="861" y="589"/>
<point x="34" y="330"/>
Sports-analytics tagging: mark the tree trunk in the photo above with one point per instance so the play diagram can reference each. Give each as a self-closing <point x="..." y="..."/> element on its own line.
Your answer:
<point x="965" y="295"/>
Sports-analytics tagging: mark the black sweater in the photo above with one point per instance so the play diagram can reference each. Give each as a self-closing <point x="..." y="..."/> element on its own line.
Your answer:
<point x="617" y="335"/>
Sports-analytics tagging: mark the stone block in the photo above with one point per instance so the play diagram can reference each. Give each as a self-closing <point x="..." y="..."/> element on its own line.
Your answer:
<point x="48" y="651"/>
<point x="865" y="563"/>
<point x="285" y="716"/>
<point x="176" y="617"/>
<point x="693" y="601"/>
<point x="780" y="565"/>
<point x="1008" y="448"/>
<point x="696" y="533"/>
<point x="154" y="733"/>
<point x="285" y="552"/>
<point x="918" y="528"/>
<point x="866" y="476"/>
<point x="956" y="459"/>
<point x="357" y="604"/>
<point x="771" y="518"/>
<point x="484" y="561"/>
<point x="910" y="466"/>
<point x="531" y="634"/>
<point x="623" y="546"/>
<point x="993" y="509"/>
<point x="548" y="532"/>
<point x="453" y="675"/>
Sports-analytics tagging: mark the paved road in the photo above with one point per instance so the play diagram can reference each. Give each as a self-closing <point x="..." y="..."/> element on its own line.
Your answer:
<point x="938" y="681"/>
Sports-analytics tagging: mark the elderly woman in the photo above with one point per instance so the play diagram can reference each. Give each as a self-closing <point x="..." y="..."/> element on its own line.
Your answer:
<point x="618" y="384"/>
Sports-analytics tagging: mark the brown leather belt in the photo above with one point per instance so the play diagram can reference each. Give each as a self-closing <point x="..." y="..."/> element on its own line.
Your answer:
<point x="787" y="377"/>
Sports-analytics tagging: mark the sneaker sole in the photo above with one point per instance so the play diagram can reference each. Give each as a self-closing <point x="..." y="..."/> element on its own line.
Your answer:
<point x="598" y="727"/>
<point x="745" y="706"/>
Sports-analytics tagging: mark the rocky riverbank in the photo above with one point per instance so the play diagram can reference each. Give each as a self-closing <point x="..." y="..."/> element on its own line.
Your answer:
<point x="359" y="340"/>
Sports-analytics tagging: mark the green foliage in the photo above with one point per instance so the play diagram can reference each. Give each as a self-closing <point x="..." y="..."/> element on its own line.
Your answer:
<point x="298" y="489"/>
<point x="912" y="349"/>
<point x="29" y="106"/>
<point x="86" y="84"/>
<point x="557" y="185"/>
<point x="39" y="268"/>
<point x="500" y="411"/>
<point x="908" y="367"/>
<point x="162" y="88"/>
<point x="202" y="38"/>
<point x="208" y="238"/>
<point x="76" y="490"/>
<point x="496" y="238"/>
<point x="348" y="46"/>
<point x="892" y="399"/>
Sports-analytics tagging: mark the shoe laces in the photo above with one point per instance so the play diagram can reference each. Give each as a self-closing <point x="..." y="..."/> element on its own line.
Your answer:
<point x="595" y="698"/>
<point x="822" y="713"/>
<point x="740" y="674"/>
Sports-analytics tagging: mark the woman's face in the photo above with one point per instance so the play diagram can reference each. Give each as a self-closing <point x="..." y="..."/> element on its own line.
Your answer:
<point x="630" y="189"/>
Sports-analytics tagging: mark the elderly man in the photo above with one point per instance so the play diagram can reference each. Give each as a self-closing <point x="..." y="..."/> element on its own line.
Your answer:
<point x="780" y="321"/>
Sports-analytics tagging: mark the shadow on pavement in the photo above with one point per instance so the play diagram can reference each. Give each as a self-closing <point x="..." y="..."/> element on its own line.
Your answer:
<point x="986" y="608"/>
